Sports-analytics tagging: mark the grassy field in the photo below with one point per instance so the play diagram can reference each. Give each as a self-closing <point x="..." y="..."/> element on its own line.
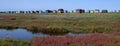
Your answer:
<point x="104" y="29"/>
<point x="63" y="23"/>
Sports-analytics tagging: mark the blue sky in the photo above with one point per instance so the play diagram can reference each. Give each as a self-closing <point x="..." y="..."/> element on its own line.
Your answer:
<point x="6" y="5"/>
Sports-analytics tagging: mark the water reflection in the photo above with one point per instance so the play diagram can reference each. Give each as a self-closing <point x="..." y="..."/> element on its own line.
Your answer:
<point x="23" y="34"/>
<point x="18" y="34"/>
<point x="75" y="34"/>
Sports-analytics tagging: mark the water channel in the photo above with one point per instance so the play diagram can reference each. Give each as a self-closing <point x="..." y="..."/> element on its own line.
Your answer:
<point x="23" y="34"/>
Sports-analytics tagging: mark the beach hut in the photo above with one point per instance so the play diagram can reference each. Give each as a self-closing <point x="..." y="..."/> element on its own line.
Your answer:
<point x="54" y="11"/>
<point x="42" y="12"/>
<point x="71" y="11"/>
<point x="33" y="11"/>
<point x="29" y="12"/>
<point x="22" y="12"/>
<point x="49" y="11"/>
<point x="66" y="11"/>
<point x="104" y="11"/>
<point x="26" y="12"/>
<point x="115" y="11"/>
<point x="2" y="12"/>
<point x="9" y="12"/>
<point x="118" y="10"/>
<point x="37" y="11"/>
<point x="83" y="11"/>
<point x="97" y="10"/>
<point x="13" y="12"/>
<point x="60" y="11"/>
<point x="91" y="11"/>
<point x="17" y="12"/>
<point x="111" y="11"/>
<point x="80" y="11"/>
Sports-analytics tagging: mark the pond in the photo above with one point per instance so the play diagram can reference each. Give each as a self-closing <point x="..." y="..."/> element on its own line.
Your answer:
<point x="23" y="34"/>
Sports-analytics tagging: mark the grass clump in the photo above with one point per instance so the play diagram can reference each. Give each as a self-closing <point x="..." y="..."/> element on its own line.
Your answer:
<point x="49" y="30"/>
<point x="10" y="42"/>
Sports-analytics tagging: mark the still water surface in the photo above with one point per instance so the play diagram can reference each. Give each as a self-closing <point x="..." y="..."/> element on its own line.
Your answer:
<point x="23" y="34"/>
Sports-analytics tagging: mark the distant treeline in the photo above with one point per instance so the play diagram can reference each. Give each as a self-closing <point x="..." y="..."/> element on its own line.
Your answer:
<point x="60" y="11"/>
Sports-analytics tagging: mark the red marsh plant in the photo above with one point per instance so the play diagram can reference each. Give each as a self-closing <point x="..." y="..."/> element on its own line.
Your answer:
<point x="90" y="40"/>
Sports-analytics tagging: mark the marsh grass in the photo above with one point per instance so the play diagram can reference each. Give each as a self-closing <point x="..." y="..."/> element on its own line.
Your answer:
<point x="62" y="23"/>
<point x="10" y="42"/>
<point x="49" y="30"/>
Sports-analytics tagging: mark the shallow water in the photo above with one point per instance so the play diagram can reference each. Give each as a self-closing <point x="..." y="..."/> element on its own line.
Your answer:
<point x="18" y="34"/>
<point x="23" y="34"/>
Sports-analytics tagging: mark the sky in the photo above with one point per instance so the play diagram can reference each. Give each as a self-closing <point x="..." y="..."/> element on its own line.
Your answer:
<point x="11" y="5"/>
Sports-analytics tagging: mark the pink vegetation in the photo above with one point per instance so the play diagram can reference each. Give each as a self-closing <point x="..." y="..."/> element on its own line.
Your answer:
<point x="90" y="40"/>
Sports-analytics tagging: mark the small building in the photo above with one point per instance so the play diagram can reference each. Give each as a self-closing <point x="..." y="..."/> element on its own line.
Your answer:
<point x="71" y="11"/>
<point x="97" y="11"/>
<point x="80" y="11"/>
<point x="104" y="11"/>
<point x="9" y="12"/>
<point x="22" y="11"/>
<point x="26" y="12"/>
<point x="29" y="12"/>
<point x="13" y="12"/>
<point x="118" y="10"/>
<point x="91" y="11"/>
<point x="32" y="11"/>
<point x="42" y="12"/>
<point x="2" y="12"/>
<point x="37" y="11"/>
<point x="60" y="11"/>
<point x="17" y="11"/>
<point x="49" y="11"/>
<point x="115" y="11"/>
<point x="66" y="11"/>
<point x="54" y="11"/>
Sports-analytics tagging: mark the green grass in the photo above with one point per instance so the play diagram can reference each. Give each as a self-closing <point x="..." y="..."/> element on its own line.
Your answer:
<point x="10" y="42"/>
<point x="77" y="23"/>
